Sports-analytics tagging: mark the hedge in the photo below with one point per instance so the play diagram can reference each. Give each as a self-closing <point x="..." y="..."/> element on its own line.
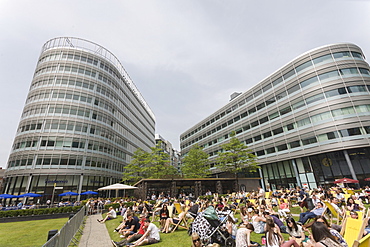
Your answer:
<point x="40" y="211"/>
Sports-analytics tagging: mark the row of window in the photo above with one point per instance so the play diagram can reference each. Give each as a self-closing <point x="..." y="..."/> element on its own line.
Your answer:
<point x="65" y="69"/>
<point x="282" y="110"/>
<point x="64" y="161"/>
<point x="68" y="56"/>
<point x="280" y="95"/>
<point x="69" y="110"/>
<point x="71" y="82"/>
<point x="68" y="143"/>
<point x="75" y="127"/>
<point x="306" y="121"/>
<point x="68" y="95"/>
<point x="309" y="140"/>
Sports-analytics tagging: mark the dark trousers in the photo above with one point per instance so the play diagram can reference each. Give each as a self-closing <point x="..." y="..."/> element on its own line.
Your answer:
<point x="130" y="239"/>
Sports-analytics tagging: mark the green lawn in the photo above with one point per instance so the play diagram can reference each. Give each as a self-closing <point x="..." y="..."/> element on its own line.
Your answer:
<point x="180" y="237"/>
<point x="28" y="233"/>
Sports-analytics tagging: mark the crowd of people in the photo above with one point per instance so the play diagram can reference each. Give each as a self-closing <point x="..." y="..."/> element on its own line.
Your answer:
<point x="239" y="214"/>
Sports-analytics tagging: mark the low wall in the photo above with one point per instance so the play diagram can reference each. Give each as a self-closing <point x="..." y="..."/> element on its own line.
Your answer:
<point x="35" y="217"/>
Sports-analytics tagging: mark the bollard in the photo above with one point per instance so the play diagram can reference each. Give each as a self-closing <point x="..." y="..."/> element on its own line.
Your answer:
<point x="51" y="233"/>
<point x="71" y="216"/>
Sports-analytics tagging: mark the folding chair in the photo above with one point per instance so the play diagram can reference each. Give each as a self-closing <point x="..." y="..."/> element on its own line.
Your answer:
<point x="183" y="223"/>
<point x="363" y="242"/>
<point x="333" y="213"/>
<point x="353" y="230"/>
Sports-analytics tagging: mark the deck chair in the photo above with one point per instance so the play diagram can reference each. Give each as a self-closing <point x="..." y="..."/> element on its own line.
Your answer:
<point x="178" y="207"/>
<point x="353" y="230"/>
<point x="361" y="214"/>
<point x="268" y="194"/>
<point x="333" y="213"/>
<point x="363" y="242"/>
<point x="183" y="223"/>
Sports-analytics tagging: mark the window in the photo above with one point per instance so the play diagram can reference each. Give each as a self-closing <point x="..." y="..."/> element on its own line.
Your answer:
<point x="270" y="150"/>
<point x="270" y="101"/>
<point x="310" y="140"/>
<point x="350" y="132"/>
<point x="344" y="54"/>
<point x="257" y="138"/>
<point x="293" y="89"/>
<point x="315" y="98"/>
<point x="303" y="66"/>
<point x="277" y="131"/>
<point x="312" y="81"/>
<point x="335" y="92"/>
<point x="277" y="81"/>
<point x="289" y="74"/>
<point x="323" y="59"/>
<point x="294" y="144"/>
<point x="329" y="75"/>
<point x="356" y="54"/>
<point x="267" y="134"/>
<point x="282" y="147"/>
<point x="356" y="89"/>
<point x="267" y="87"/>
<point x="260" y="153"/>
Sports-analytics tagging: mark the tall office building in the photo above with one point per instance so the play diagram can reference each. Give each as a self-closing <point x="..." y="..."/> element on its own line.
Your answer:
<point x="308" y="122"/>
<point x="82" y="121"/>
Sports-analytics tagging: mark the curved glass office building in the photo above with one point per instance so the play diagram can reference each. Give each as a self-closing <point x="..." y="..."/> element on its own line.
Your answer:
<point x="308" y="122"/>
<point x="82" y="121"/>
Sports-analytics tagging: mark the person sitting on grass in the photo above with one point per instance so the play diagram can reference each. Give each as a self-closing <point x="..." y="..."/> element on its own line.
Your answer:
<point x="131" y="226"/>
<point x="151" y="236"/>
<point x="243" y="235"/>
<point x="134" y="236"/>
<point x="110" y="215"/>
<point x="274" y="237"/>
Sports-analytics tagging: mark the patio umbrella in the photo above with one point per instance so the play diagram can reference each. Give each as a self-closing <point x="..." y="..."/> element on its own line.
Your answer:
<point x="346" y="181"/>
<point x="367" y="179"/>
<point x="5" y="196"/>
<point x="69" y="193"/>
<point x="117" y="187"/>
<point x="30" y="195"/>
<point x="89" y="193"/>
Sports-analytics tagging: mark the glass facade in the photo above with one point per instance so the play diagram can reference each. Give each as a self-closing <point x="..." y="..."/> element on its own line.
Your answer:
<point x="317" y="104"/>
<point x="82" y="121"/>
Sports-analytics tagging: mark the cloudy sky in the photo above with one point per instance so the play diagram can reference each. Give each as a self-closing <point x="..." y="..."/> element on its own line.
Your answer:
<point x="186" y="57"/>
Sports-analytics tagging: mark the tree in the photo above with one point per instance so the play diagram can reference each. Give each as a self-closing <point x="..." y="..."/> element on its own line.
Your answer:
<point x="195" y="163"/>
<point x="153" y="164"/>
<point x="133" y="171"/>
<point x="236" y="156"/>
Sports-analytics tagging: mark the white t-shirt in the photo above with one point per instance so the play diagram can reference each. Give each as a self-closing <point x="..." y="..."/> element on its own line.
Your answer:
<point x="153" y="232"/>
<point x="113" y="213"/>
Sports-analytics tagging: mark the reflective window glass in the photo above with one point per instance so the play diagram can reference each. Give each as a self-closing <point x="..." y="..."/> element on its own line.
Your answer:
<point x="303" y="66"/>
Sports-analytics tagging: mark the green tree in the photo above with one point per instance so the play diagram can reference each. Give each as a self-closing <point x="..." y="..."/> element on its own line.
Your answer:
<point x="153" y="164"/>
<point x="134" y="171"/>
<point x="236" y="156"/>
<point x="195" y="163"/>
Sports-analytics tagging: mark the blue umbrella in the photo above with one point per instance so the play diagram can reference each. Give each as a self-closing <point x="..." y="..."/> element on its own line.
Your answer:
<point x="69" y="193"/>
<point x="90" y="193"/>
<point x="5" y="196"/>
<point x="30" y="195"/>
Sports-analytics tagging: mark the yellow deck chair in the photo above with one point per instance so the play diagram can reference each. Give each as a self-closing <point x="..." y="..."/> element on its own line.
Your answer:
<point x="363" y="242"/>
<point x="170" y="211"/>
<point x="334" y="213"/>
<point x="361" y="214"/>
<point x="353" y="230"/>
<point x="178" y="207"/>
<point x="252" y="201"/>
<point x="268" y="194"/>
<point x="346" y="196"/>
<point x="182" y="221"/>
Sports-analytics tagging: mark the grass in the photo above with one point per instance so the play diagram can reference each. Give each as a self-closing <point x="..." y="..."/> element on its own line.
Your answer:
<point x="180" y="237"/>
<point x="28" y="233"/>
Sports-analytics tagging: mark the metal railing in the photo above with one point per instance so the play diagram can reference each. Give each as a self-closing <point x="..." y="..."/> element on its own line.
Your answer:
<point x="67" y="233"/>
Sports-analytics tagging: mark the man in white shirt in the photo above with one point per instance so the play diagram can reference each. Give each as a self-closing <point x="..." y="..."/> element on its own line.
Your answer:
<point x="110" y="215"/>
<point x="151" y="236"/>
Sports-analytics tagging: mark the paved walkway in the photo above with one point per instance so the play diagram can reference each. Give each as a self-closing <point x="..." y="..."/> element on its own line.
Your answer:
<point x="94" y="233"/>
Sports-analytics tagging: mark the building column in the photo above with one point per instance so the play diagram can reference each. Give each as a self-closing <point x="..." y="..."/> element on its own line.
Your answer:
<point x="219" y="187"/>
<point x="173" y="189"/>
<point x="80" y="186"/>
<point x="262" y="180"/>
<point x="350" y="166"/>
<point x="27" y="188"/>
<point x="296" y="173"/>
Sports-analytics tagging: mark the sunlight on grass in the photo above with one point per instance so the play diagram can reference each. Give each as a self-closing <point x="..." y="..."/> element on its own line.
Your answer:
<point x="28" y="233"/>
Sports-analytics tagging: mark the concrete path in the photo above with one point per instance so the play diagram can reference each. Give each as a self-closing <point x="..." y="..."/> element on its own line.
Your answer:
<point x="94" y="233"/>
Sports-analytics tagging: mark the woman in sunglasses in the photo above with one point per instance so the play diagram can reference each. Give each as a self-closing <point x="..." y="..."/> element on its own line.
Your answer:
<point x="196" y="240"/>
